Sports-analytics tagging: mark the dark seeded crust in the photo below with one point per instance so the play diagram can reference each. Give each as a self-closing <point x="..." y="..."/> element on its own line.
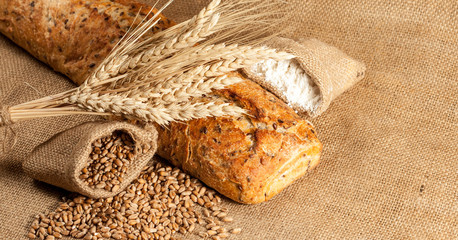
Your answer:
<point x="249" y="159"/>
<point x="69" y="35"/>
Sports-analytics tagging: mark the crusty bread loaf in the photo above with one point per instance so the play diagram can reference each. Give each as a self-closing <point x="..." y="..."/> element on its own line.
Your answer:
<point x="71" y="36"/>
<point x="248" y="159"/>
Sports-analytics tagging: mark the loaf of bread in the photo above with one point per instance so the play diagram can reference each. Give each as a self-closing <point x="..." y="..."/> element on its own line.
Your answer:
<point x="71" y="36"/>
<point x="248" y="159"/>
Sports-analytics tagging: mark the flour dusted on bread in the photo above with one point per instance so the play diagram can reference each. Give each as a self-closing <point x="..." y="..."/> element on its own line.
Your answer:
<point x="288" y="77"/>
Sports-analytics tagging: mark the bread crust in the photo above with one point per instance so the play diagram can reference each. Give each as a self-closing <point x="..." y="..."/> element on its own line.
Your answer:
<point x="71" y="36"/>
<point x="248" y="159"/>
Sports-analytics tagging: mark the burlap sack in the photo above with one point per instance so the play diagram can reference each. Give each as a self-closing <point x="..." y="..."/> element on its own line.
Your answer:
<point x="330" y="69"/>
<point x="59" y="160"/>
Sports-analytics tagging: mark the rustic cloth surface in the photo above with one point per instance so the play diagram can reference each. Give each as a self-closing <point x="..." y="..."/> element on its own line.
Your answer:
<point x="389" y="168"/>
<point x="59" y="160"/>
<point x="330" y="69"/>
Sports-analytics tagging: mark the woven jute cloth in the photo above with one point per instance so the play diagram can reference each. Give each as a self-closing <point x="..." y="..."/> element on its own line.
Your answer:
<point x="389" y="168"/>
<point x="59" y="160"/>
<point x="330" y="69"/>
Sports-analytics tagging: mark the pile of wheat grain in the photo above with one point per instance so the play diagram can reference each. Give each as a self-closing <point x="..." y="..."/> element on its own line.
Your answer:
<point x="109" y="161"/>
<point x="161" y="203"/>
<point x="157" y="79"/>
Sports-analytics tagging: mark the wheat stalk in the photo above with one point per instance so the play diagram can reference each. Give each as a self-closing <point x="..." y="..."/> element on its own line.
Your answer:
<point x="161" y="78"/>
<point x="199" y="27"/>
<point x="160" y="113"/>
<point x="196" y="30"/>
<point x="234" y="18"/>
<point x="200" y="56"/>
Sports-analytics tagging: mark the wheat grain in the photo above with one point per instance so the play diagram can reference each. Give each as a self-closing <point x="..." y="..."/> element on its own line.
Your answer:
<point x="138" y="211"/>
<point x="236" y="230"/>
<point x="227" y="219"/>
<point x="109" y="161"/>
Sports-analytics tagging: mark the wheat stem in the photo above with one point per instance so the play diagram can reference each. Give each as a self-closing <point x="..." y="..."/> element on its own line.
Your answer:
<point x="162" y="78"/>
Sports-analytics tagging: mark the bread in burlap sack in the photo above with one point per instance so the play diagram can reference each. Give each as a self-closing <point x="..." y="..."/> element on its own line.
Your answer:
<point x="59" y="160"/>
<point x="330" y="69"/>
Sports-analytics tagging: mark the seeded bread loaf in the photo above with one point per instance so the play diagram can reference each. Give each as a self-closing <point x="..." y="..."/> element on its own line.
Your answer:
<point x="248" y="159"/>
<point x="71" y="36"/>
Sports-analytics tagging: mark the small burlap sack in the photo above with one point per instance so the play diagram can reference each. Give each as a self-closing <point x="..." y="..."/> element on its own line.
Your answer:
<point x="330" y="69"/>
<point x="59" y="160"/>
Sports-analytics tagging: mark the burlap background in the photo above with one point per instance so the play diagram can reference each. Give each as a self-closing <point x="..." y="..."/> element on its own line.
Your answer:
<point x="389" y="168"/>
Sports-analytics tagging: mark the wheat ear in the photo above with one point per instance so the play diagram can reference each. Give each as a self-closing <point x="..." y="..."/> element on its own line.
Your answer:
<point x="191" y="90"/>
<point x="197" y="56"/>
<point x="197" y="29"/>
<point x="235" y="17"/>
<point x="170" y="46"/>
<point x="204" y="55"/>
<point x="174" y="81"/>
<point x="161" y="113"/>
<point x="249" y="54"/>
<point x="241" y="21"/>
<point x="121" y="52"/>
<point x="172" y="32"/>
